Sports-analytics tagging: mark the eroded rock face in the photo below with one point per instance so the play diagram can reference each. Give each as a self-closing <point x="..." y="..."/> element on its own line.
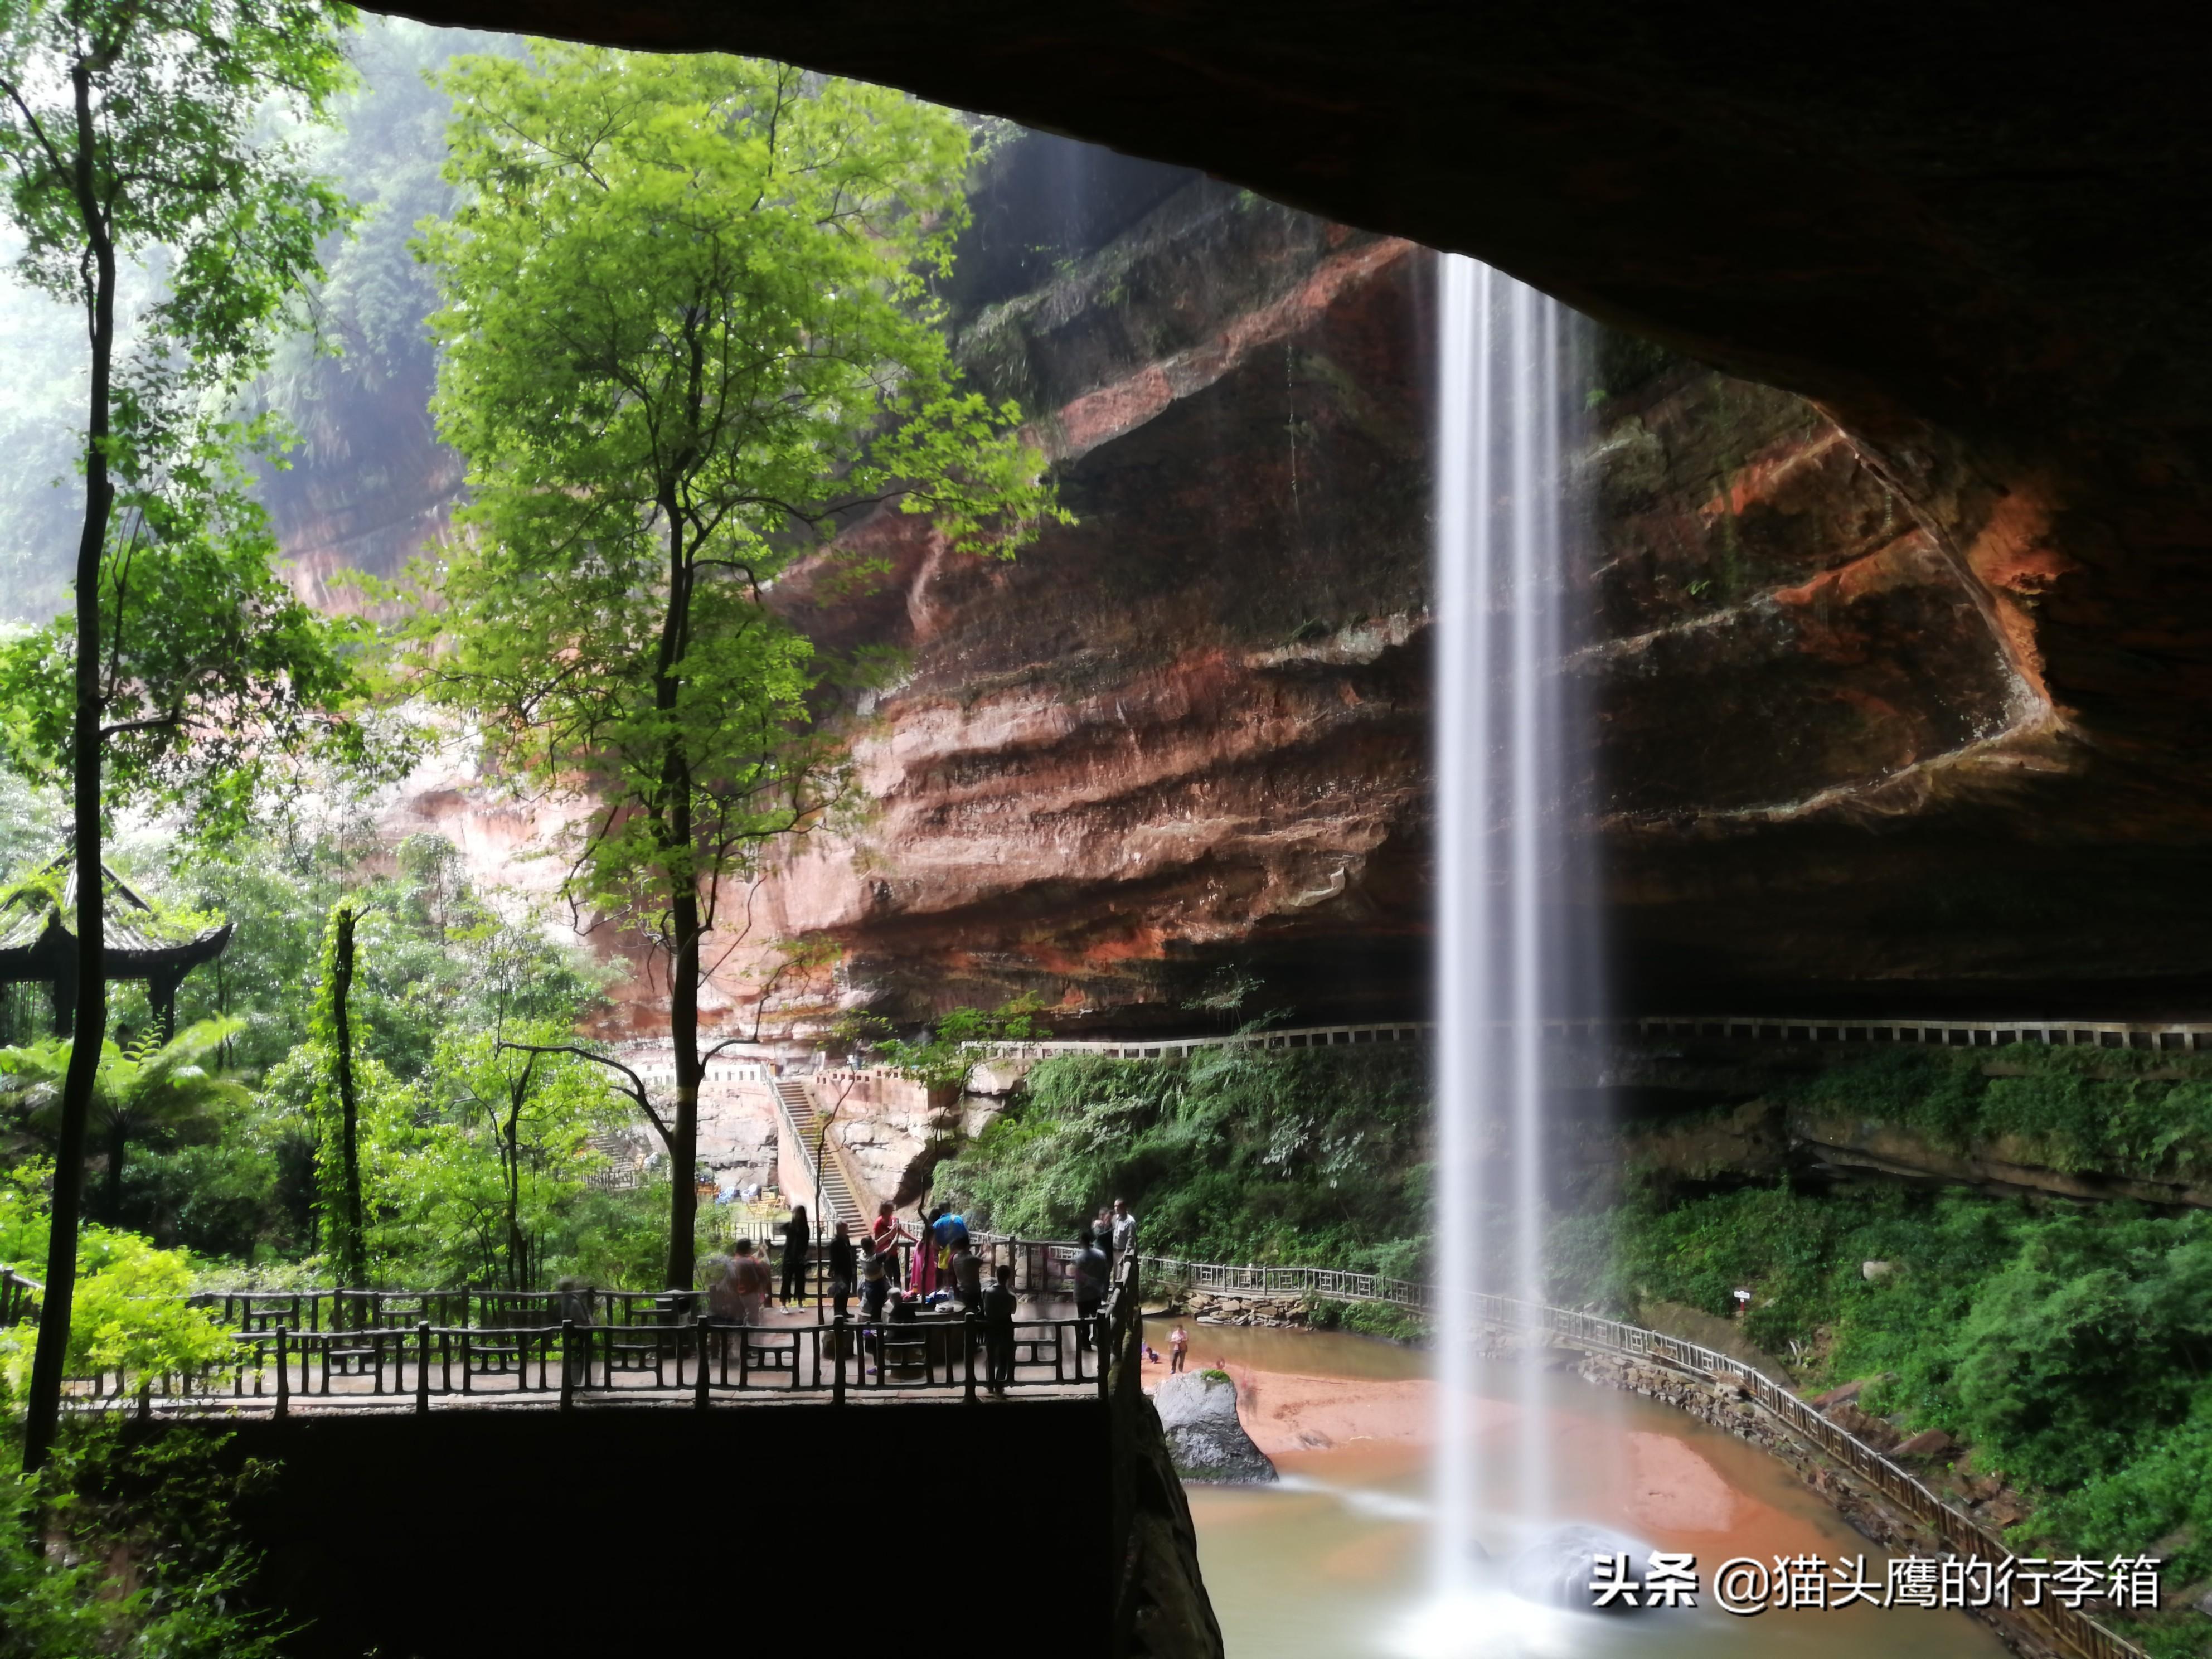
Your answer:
<point x="1191" y="733"/>
<point x="1205" y="1438"/>
<point x="1192" y="729"/>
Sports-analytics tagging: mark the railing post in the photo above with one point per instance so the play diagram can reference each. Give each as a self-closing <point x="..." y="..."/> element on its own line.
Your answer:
<point x="838" y="1374"/>
<point x="422" y="1366"/>
<point x="567" y="1364"/>
<point x="283" y="1375"/>
<point x="699" y="1395"/>
<point x="968" y="1325"/>
<point x="1105" y="1338"/>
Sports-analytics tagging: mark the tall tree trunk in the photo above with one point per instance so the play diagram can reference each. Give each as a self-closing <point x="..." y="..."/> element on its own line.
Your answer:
<point x="353" y="1251"/>
<point x="684" y="1129"/>
<point x="517" y="1265"/>
<point x="676" y="840"/>
<point x="43" y="1408"/>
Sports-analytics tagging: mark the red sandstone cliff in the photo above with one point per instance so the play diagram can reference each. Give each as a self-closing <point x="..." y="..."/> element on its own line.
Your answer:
<point x="1191" y="730"/>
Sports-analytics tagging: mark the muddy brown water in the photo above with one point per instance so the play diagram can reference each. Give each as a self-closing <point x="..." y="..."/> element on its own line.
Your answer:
<point x="1332" y="1563"/>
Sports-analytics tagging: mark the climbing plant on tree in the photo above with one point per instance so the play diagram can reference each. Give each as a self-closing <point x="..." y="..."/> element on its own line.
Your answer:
<point x="338" y="1103"/>
<point x="130" y="126"/>
<point x="688" y="335"/>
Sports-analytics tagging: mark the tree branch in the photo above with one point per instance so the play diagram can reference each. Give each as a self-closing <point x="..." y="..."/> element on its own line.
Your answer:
<point x="636" y="1090"/>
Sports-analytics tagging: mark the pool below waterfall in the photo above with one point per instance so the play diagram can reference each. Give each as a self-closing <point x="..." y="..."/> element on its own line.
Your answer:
<point x="1333" y="1562"/>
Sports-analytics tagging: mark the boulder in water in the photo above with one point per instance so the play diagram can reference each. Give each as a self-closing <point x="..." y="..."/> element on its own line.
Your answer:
<point x="1557" y="1569"/>
<point x="1205" y="1438"/>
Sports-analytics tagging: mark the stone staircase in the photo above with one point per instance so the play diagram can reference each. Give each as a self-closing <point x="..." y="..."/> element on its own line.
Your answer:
<point x="838" y="1201"/>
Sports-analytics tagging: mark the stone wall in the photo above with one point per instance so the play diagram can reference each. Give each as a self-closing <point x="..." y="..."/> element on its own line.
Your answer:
<point x="738" y="1131"/>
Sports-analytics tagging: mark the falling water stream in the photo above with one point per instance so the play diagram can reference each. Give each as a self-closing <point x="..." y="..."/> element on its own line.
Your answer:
<point x="1481" y="1454"/>
<point x="1506" y="744"/>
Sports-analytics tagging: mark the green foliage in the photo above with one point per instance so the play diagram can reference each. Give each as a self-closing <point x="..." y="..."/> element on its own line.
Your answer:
<point x="618" y="1237"/>
<point x="159" y="146"/>
<point x="431" y="950"/>
<point x="143" y="1089"/>
<point x="942" y="1059"/>
<point x="358" y="406"/>
<point x="152" y="1565"/>
<point x="496" y="1181"/>
<point x="41" y="415"/>
<point x="434" y="959"/>
<point x="2070" y="1347"/>
<point x="1232" y="1154"/>
<point x="687" y="336"/>
<point x="2118" y="1110"/>
<point x="216" y="671"/>
<point x="1381" y="1319"/>
<point x="685" y="331"/>
<point x="128" y="1309"/>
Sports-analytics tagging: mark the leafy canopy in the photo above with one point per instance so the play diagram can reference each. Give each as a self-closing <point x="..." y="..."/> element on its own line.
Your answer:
<point x="688" y="333"/>
<point x="130" y="1308"/>
<point x="146" y="129"/>
<point x="500" y="1176"/>
<point x="149" y="1085"/>
<point x="942" y="1057"/>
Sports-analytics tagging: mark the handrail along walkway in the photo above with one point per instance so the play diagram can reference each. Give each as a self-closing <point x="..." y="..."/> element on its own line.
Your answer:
<point x="2158" y="1035"/>
<point x="350" y="1349"/>
<point x="2076" y="1630"/>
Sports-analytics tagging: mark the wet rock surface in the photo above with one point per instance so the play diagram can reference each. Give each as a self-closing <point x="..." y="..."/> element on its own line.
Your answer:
<point x="1558" y="1570"/>
<point x="1205" y="1436"/>
<point x="1192" y="729"/>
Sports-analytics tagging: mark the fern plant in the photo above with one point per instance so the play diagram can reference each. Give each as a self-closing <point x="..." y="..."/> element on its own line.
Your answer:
<point x="144" y="1089"/>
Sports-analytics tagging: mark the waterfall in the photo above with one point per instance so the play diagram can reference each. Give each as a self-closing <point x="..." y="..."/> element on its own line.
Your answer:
<point x="1510" y="751"/>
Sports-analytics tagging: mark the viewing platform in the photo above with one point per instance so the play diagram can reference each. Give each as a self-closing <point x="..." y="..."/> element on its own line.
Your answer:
<point x="455" y="1473"/>
<point x="339" y="1351"/>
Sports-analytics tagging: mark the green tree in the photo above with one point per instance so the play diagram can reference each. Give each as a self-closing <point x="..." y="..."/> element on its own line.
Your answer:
<point x="337" y="1102"/>
<point x="688" y="334"/>
<point x="145" y="1088"/>
<point x="943" y="1058"/>
<point x="513" y="1153"/>
<point x="130" y="126"/>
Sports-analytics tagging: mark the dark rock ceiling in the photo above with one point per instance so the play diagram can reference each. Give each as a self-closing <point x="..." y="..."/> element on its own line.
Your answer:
<point x="1978" y="235"/>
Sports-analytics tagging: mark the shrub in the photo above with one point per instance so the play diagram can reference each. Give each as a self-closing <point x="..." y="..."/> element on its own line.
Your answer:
<point x="1231" y="1155"/>
<point x="153" y="1565"/>
<point x="128" y="1307"/>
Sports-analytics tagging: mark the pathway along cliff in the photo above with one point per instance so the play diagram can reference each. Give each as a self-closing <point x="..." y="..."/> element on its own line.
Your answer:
<point x="1878" y="1496"/>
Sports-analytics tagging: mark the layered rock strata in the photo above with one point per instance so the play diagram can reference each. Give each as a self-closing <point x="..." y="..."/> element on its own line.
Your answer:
<point x="2000" y="304"/>
<point x="1184" y="742"/>
<point x="1190" y="731"/>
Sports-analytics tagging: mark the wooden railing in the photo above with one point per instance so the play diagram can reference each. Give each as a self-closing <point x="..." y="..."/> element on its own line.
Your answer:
<point x="352" y="1348"/>
<point x="307" y="1312"/>
<point x="709" y="1359"/>
<point x="2076" y="1630"/>
<point x="18" y="1297"/>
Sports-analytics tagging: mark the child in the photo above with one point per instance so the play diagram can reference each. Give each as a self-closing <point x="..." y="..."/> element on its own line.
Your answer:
<point x="1178" y="1340"/>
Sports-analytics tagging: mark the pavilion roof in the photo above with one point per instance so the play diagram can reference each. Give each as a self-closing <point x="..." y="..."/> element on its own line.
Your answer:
<point x="38" y="907"/>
